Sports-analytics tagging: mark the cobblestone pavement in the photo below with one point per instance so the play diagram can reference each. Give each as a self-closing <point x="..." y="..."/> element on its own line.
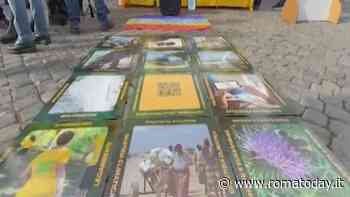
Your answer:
<point x="308" y="62"/>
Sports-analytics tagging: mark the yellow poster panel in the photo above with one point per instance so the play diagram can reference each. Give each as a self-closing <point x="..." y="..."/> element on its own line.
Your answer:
<point x="168" y="92"/>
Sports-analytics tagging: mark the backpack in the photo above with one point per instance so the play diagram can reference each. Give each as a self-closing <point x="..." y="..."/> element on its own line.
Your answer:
<point x="170" y="7"/>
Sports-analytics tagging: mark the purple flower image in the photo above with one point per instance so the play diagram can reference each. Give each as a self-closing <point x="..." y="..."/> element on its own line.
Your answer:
<point x="277" y="152"/>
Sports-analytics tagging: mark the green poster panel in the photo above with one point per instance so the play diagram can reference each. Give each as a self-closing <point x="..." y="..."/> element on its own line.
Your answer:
<point x="166" y="95"/>
<point x="214" y="53"/>
<point x="180" y="157"/>
<point x="121" y="42"/>
<point x="87" y="97"/>
<point x="110" y="60"/>
<point x="283" y="158"/>
<point x="243" y="94"/>
<point x="65" y="159"/>
<point x="166" y="60"/>
<point x="211" y="42"/>
<point x="164" y="42"/>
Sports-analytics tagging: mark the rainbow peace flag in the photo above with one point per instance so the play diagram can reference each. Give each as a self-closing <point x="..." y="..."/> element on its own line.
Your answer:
<point x="167" y="23"/>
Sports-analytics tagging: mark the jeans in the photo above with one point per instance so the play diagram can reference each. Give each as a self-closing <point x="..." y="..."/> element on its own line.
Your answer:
<point x="22" y="23"/>
<point x="73" y="8"/>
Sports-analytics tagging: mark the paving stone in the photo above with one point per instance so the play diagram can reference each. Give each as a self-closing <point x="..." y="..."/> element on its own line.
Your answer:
<point x="315" y="117"/>
<point x="7" y="118"/>
<point x="30" y="112"/>
<point x="5" y="96"/>
<point x="39" y="75"/>
<point x="337" y="113"/>
<point x="337" y="127"/>
<point x="333" y="100"/>
<point x="47" y="86"/>
<point x="9" y="133"/>
<point x="26" y="102"/>
<point x="330" y="88"/>
<point x="24" y="91"/>
<point x="347" y="105"/>
<point x="322" y="134"/>
<point x="312" y="103"/>
<point x="46" y="96"/>
<point x="341" y="147"/>
<point x="3" y="79"/>
<point x="18" y="80"/>
<point x="345" y="60"/>
<point x="59" y="72"/>
<point x="345" y="92"/>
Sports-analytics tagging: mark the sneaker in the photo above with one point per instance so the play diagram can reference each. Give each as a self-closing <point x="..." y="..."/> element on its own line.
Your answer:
<point x="22" y="48"/>
<point x="46" y="40"/>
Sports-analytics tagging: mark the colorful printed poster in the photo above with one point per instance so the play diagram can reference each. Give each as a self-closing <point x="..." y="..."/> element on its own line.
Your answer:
<point x="121" y="42"/>
<point x="167" y="92"/>
<point x="164" y="43"/>
<point x="203" y="42"/>
<point x="221" y="60"/>
<point x="168" y="60"/>
<point x="53" y="162"/>
<point x="90" y="93"/>
<point x="243" y="93"/>
<point x="110" y="60"/>
<point x="173" y="160"/>
<point x="285" y="155"/>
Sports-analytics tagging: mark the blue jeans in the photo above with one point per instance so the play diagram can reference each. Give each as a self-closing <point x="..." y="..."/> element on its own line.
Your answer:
<point x="21" y="21"/>
<point x="73" y="9"/>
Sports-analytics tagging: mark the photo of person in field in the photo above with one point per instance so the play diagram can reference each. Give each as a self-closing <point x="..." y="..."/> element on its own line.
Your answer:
<point x="242" y="91"/>
<point x="52" y="163"/>
<point x="167" y="163"/>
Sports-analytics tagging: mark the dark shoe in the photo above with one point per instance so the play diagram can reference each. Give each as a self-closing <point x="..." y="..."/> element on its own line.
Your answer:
<point x="74" y="30"/>
<point x="8" y="38"/>
<point x="280" y="4"/>
<point x="106" y="27"/>
<point x="46" y="40"/>
<point x="22" y="48"/>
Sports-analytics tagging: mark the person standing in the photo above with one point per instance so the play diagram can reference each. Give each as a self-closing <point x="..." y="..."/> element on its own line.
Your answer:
<point x="181" y="167"/>
<point x="73" y="9"/>
<point x="26" y="42"/>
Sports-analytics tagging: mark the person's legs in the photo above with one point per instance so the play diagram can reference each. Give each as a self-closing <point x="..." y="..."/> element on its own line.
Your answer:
<point x="21" y="22"/>
<point x="73" y="11"/>
<point x="102" y="14"/>
<point x="39" y="17"/>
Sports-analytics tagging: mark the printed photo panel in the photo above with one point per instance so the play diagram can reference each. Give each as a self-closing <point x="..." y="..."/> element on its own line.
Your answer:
<point x="164" y="42"/>
<point x="221" y="60"/>
<point x="164" y="94"/>
<point x="94" y="96"/>
<point x="121" y="42"/>
<point x="211" y="42"/>
<point x="286" y="155"/>
<point x="243" y="94"/>
<point x="166" y="60"/>
<point x="175" y="159"/>
<point x="50" y="162"/>
<point x="102" y="60"/>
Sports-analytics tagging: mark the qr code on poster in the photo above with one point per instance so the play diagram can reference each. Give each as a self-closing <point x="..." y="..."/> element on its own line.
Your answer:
<point x="166" y="89"/>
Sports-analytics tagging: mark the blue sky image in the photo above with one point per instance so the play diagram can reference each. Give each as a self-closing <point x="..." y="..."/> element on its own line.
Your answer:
<point x="145" y="138"/>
